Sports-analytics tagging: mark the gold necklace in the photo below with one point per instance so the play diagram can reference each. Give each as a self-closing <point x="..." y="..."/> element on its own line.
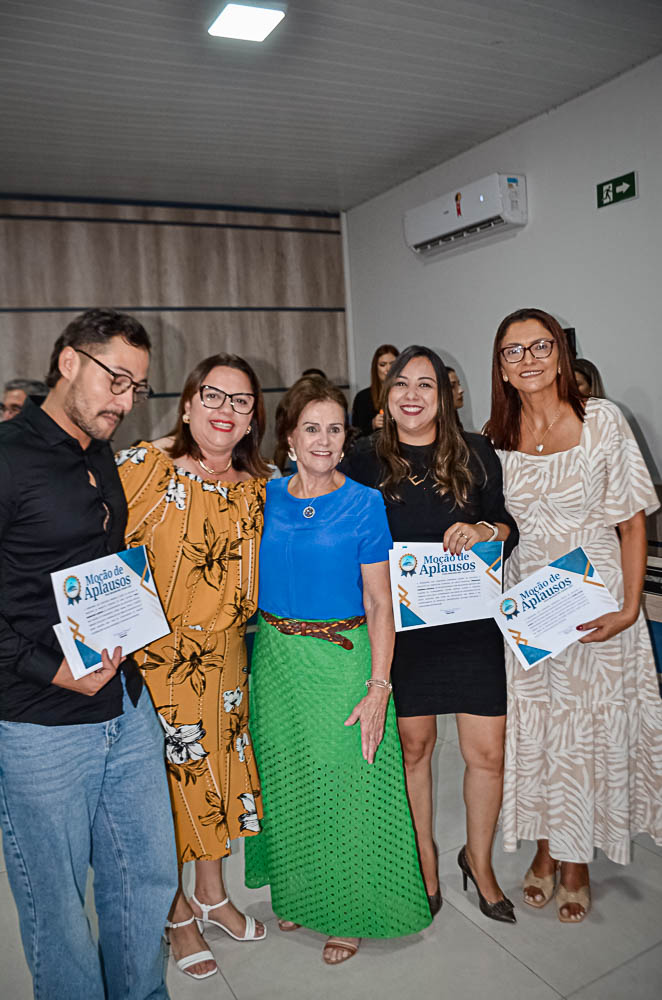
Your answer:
<point x="211" y="472"/>
<point x="539" y="445"/>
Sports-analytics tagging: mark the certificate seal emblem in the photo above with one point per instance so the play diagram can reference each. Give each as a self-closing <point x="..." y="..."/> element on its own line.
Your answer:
<point x="408" y="563"/>
<point x="508" y="608"/>
<point x="71" y="587"/>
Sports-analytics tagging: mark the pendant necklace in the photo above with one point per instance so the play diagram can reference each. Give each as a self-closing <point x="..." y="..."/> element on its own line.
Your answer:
<point x="539" y="446"/>
<point x="309" y="511"/>
<point x="214" y="475"/>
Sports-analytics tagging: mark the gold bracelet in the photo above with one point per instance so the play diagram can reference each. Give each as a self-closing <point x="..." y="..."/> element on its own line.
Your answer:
<point x="378" y="682"/>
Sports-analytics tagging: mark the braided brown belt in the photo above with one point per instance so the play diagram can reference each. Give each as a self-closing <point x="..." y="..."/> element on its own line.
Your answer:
<point x="317" y="630"/>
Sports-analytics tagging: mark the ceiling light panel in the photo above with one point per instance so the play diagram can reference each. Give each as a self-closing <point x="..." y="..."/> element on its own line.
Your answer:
<point x="250" y="22"/>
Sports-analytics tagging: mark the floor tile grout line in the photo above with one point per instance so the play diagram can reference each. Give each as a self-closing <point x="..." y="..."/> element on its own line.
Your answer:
<point x="507" y="951"/>
<point x="615" y="969"/>
<point x="222" y="975"/>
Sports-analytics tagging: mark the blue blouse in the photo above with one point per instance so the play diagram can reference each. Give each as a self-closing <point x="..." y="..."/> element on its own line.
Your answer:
<point x="310" y="567"/>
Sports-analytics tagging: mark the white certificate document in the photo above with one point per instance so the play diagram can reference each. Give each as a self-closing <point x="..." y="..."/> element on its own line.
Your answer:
<point x="104" y="603"/>
<point x="433" y="587"/>
<point x="539" y="617"/>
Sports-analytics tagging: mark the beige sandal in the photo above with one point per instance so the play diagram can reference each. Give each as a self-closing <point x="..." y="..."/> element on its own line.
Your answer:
<point x="343" y="945"/>
<point x="546" y="884"/>
<point x="582" y="896"/>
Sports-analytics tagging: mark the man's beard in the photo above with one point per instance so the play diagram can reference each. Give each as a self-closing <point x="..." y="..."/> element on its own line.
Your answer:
<point x="91" y="424"/>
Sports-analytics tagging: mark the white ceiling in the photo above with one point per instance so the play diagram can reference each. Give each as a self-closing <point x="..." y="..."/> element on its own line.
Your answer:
<point x="120" y="99"/>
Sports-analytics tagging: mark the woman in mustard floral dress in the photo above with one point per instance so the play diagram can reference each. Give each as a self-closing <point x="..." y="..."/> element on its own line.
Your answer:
<point x="196" y="502"/>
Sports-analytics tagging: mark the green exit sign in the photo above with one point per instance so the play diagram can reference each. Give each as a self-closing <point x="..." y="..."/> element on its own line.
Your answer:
<point x="617" y="189"/>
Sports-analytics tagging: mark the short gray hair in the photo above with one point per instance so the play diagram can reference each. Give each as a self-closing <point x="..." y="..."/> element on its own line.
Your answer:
<point x="30" y="386"/>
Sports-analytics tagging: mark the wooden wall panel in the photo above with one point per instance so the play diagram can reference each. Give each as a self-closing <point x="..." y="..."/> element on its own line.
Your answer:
<point x="136" y="264"/>
<point x="266" y="285"/>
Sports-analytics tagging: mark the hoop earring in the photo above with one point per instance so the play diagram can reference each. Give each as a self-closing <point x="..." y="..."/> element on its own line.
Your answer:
<point x="185" y="418"/>
<point x="291" y="454"/>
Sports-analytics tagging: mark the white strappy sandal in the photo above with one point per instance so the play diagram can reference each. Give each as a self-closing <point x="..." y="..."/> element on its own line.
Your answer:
<point x="249" y="931"/>
<point x="185" y="963"/>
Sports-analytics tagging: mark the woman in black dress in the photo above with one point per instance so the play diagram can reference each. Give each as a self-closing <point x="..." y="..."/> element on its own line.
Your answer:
<point x="366" y="414"/>
<point x="441" y="483"/>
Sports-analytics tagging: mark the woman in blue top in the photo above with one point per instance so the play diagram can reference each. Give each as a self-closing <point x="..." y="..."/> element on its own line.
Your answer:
<point x="337" y="845"/>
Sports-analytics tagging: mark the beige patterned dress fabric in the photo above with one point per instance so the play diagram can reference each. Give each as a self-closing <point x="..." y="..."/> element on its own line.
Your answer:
<point x="584" y="729"/>
<point x="202" y="539"/>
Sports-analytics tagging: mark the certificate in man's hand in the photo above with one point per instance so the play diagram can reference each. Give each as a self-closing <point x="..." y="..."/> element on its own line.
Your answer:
<point x="433" y="587"/>
<point x="104" y="603"/>
<point x="539" y="617"/>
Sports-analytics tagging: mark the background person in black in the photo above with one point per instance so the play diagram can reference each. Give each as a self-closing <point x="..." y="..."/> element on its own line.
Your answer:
<point x="441" y="483"/>
<point x="366" y="407"/>
<point x="81" y="761"/>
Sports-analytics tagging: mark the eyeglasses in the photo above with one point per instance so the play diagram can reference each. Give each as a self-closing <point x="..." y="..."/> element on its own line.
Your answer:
<point x="516" y="352"/>
<point x="9" y="410"/>
<point x="120" y="383"/>
<point x="213" y="399"/>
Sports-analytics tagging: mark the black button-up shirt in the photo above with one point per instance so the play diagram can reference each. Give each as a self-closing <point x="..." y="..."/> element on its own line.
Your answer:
<point x="51" y="517"/>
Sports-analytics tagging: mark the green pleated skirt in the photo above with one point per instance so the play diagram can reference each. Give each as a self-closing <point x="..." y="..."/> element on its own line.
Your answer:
<point x="337" y="844"/>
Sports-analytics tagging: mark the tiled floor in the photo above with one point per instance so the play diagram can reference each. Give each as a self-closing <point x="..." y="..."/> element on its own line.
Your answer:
<point x="616" y="954"/>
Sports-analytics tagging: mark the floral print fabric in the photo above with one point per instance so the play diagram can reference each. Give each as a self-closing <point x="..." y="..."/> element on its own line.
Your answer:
<point x="202" y="539"/>
<point x="584" y="729"/>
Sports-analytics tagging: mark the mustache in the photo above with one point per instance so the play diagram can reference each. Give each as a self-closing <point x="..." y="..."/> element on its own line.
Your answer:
<point x="112" y="413"/>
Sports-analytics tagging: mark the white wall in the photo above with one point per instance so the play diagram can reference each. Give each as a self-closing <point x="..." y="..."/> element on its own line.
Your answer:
<point x="597" y="270"/>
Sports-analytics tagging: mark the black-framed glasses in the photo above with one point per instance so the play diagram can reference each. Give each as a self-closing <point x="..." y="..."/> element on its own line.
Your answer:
<point x="213" y="399"/>
<point x="121" y="383"/>
<point x="516" y="352"/>
<point x="10" y="410"/>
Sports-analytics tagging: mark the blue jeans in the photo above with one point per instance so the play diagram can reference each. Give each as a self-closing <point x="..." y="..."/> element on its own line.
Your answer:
<point x="71" y="796"/>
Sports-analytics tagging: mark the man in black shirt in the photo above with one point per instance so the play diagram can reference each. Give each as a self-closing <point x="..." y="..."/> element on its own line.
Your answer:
<point x="82" y="777"/>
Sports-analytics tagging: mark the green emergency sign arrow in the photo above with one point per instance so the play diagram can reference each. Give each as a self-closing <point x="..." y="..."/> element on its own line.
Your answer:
<point x="617" y="189"/>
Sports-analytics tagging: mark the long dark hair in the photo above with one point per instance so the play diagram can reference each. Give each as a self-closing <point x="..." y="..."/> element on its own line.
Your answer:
<point x="375" y="383"/>
<point x="503" y="427"/>
<point x="246" y="455"/>
<point x="450" y="462"/>
<point x="592" y="375"/>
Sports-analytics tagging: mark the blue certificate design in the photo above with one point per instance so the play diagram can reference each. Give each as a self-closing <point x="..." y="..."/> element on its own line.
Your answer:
<point x="539" y="617"/>
<point x="433" y="587"/>
<point x="104" y="603"/>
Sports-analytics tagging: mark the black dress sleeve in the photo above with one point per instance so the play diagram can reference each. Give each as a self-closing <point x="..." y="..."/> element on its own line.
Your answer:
<point x="363" y="411"/>
<point x="492" y="501"/>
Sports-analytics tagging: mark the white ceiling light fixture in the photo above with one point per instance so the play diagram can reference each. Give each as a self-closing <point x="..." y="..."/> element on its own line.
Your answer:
<point x="249" y="21"/>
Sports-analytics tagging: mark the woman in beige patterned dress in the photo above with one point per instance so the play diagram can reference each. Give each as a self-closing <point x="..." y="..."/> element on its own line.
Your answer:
<point x="196" y="502"/>
<point x="584" y="729"/>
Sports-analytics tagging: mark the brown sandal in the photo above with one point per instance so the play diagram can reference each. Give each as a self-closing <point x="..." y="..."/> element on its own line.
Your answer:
<point x="343" y="945"/>
<point x="288" y="925"/>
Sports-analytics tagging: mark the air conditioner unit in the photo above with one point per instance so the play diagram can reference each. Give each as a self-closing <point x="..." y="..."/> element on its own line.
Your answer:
<point x="487" y="207"/>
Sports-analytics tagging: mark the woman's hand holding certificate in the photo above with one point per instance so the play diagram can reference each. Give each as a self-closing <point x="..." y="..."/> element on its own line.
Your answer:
<point x="543" y="614"/>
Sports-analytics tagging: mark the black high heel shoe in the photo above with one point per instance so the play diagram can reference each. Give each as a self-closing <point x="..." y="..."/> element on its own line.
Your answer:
<point x="502" y="910"/>
<point x="435" y="900"/>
